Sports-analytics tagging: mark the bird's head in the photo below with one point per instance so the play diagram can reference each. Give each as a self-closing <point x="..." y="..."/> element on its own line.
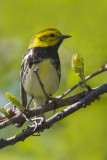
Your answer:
<point x="47" y="37"/>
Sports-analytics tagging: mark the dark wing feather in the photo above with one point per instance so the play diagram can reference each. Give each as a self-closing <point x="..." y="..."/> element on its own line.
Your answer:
<point x="23" y="95"/>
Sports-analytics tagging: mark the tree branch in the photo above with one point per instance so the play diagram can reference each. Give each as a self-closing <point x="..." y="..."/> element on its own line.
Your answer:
<point x="101" y="70"/>
<point x="20" y="117"/>
<point x="82" y="102"/>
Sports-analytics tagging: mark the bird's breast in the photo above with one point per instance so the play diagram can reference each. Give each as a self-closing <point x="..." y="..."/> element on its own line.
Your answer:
<point x="48" y="74"/>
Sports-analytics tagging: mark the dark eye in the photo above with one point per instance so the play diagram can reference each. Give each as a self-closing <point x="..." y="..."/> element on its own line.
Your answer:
<point x="52" y="35"/>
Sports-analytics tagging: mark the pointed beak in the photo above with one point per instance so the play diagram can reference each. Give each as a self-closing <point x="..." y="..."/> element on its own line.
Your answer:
<point x="65" y="36"/>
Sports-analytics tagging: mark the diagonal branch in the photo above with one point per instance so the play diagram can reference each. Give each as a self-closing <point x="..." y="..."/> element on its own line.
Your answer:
<point x="102" y="69"/>
<point x="90" y="97"/>
<point x="19" y="117"/>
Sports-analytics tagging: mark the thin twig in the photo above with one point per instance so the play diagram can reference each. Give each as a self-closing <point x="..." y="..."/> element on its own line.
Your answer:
<point x="102" y="69"/>
<point x="41" y="84"/>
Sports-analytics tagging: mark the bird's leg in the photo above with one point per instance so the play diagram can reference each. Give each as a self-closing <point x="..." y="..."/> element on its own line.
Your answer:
<point x="55" y="105"/>
<point x="27" y="107"/>
<point x="26" y="112"/>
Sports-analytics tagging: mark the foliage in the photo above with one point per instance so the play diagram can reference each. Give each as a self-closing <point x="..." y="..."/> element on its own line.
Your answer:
<point x="14" y="101"/>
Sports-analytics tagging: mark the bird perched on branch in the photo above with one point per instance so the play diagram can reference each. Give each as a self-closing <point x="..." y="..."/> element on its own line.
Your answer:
<point x="42" y="53"/>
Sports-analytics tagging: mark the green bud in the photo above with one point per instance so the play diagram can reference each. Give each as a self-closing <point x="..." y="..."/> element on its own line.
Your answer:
<point x="78" y="64"/>
<point x="10" y="112"/>
<point x="78" y="67"/>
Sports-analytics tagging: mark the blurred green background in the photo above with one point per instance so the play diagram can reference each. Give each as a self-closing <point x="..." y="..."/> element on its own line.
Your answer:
<point x="83" y="135"/>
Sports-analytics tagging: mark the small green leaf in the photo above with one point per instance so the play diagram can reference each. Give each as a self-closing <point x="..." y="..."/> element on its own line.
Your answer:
<point x="14" y="101"/>
<point x="78" y="64"/>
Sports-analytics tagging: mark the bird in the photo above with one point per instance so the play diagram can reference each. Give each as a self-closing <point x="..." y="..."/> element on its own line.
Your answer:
<point x="42" y="52"/>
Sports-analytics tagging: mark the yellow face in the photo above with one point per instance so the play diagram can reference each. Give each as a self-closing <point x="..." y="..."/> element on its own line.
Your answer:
<point x="46" y="38"/>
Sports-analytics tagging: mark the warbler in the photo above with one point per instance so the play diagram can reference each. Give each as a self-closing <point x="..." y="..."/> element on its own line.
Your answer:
<point x="42" y="53"/>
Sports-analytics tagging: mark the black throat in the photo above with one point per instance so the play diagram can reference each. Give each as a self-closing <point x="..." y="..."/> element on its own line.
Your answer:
<point x="41" y="53"/>
<point x="46" y="52"/>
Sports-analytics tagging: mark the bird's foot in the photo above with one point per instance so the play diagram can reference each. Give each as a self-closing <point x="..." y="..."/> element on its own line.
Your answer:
<point x="35" y="124"/>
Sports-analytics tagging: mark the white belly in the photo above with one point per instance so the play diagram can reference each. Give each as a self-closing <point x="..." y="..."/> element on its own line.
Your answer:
<point x="48" y="75"/>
